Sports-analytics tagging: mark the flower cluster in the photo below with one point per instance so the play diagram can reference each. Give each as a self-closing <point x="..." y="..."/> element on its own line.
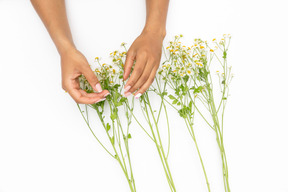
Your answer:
<point x="108" y="74"/>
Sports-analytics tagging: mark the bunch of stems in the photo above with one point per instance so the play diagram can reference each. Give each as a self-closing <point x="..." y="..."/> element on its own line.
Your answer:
<point x="177" y="76"/>
<point x="152" y="118"/>
<point x="186" y="74"/>
<point x="117" y="132"/>
<point x="203" y="90"/>
<point x="206" y="97"/>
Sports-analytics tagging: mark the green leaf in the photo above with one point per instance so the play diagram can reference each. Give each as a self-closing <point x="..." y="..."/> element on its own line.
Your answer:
<point x="185" y="112"/>
<point x="108" y="127"/>
<point x="190" y="105"/>
<point x="117" y="104"/>
<point x="186" y="89"/>
<point x="224" y="98"/>
<point x="182" y="113"/>
<point x="89" y="91"/>
<point x="172" y="97"/>
<point x="123" y="99"/>
<point x="224" y="54"/>
<point x="112" y="140"/>
<point x="186" y="78"/>
<point x="175" y="101"/>
<point x="116" y="86"/>
<point x="181" y="87"/>
<point x="129" y="136"/>
<point x="198" y="89"/>
<point x="113" y="115"/>
<point x="164" y="93"/>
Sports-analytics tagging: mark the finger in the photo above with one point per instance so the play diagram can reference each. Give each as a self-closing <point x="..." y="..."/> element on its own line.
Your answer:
<point x="137" y="72"/>
<point x="144" y="77"/>
<point x="130" y="57"/>
<point x="102" y="94"/>
<point x="82" y="97"/>
<point x="91" y="78"/>
<point x="147" y="84"/>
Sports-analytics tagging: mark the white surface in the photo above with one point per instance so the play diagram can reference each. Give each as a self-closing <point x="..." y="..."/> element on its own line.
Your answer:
<point x="45" y="145"/>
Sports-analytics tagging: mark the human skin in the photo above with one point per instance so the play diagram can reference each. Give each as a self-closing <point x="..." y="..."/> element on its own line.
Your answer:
<point x="145" y="51"/>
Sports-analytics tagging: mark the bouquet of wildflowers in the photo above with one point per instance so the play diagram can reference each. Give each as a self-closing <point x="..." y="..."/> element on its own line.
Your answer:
<point x="185" y="81"/>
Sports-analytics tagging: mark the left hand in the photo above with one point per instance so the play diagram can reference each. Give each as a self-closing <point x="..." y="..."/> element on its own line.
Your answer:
<point x="146" y="50"/>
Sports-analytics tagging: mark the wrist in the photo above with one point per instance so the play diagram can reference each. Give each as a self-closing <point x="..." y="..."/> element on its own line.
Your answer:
<point x="158" y="31"/>
<point x="64" y="47"/>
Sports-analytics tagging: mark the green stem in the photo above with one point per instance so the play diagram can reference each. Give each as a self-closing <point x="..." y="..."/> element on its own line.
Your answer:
<point x="199" y="154"/>
<point x="158" y="150"/>
<point x="219" y="137"/>
<point x="190" y="128"/>
<point x="94" y="133"/>
<point x="160" y="142"/>
<point x="117" y="157"/>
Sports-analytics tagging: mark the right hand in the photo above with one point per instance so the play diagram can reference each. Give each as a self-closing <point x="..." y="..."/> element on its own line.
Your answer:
<point x="73" y="64"/>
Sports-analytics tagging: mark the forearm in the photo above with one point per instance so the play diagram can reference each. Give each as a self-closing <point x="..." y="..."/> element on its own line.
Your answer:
<point x="53" y="15"/>
<point x="156" y="15"/>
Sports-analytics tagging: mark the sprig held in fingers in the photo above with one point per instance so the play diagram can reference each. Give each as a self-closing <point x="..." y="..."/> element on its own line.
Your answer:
<point x="74" y="64"/>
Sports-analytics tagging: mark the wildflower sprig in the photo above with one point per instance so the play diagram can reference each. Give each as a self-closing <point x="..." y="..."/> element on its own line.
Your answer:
<point x="216" y="109"/>
<point x="178" y="72"/>
<point x="118" y="132"/>
<point x="189" y="75"/>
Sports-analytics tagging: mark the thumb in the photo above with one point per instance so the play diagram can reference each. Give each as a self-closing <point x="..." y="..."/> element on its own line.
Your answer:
<point x="92" y="79"/>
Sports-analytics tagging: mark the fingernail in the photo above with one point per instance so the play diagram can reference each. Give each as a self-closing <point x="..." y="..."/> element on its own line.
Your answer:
<point x="98" y="87"/>
<point x="106" y="94"/>
<point x="100" y="100"/>
<point x="127" y="88"/>
<point x="127" y="94"/>
<point x="138" y="95"/>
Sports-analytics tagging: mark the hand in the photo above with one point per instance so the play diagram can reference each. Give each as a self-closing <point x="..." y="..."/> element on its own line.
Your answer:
<point x="73" y="64"/>
<point x="146" y="50"/>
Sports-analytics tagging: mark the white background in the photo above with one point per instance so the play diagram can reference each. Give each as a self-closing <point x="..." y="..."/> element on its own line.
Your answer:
<point x="45" y="145"/>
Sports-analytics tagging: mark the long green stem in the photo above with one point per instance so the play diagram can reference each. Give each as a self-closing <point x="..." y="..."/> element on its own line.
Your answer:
<point x="189" y="125"/>
<point x="219" y="136"/>
<point x="160" y="142"/>
<point x="147" y="108"/>
<point x="117" y="157"/>
<point x="158" y="150"/>
<point x="199" y="154"/>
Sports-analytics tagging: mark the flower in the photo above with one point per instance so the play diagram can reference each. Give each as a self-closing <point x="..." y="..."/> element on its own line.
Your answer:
<point x="199" y="64"/>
